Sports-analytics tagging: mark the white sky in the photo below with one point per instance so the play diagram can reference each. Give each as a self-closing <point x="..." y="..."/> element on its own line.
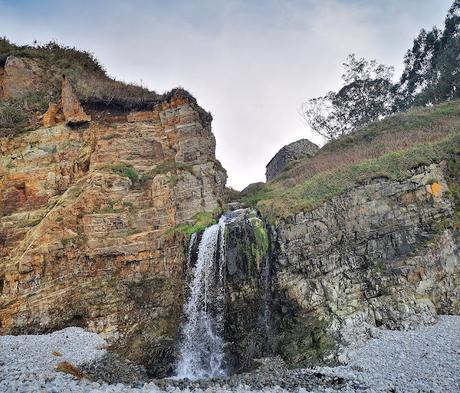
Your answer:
<point x="251" y="63"/>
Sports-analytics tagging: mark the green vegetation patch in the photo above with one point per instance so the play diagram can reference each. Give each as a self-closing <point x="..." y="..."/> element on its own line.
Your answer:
<point x="170" y="166"/>
<point x="280" y="199"/>
<point x="125" y="170"/>
<point x="54" y="54"/>
<point x="12" y="117"/>
<point x="440" y="119"/>
<point x="201" y="220"/>
<point x="260" y="234"/>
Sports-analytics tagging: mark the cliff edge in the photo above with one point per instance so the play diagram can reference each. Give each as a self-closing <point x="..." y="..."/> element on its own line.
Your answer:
<point x="97" y="199"/>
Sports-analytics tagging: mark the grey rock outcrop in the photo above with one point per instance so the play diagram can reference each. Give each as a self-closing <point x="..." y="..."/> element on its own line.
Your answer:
<point x="309" y="287"/>
<point x="287" y="154"/>
<point x="382" y="254"/>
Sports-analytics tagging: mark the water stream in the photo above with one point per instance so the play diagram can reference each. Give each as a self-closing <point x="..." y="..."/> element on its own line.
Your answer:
<point x="201" y="351"/>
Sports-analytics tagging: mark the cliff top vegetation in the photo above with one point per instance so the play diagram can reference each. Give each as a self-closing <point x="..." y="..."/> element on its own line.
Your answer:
<point x="96" y="90"/>
<point x="389" y="148"/>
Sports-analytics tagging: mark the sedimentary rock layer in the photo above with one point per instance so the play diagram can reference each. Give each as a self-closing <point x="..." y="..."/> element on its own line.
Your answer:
<point x="383" y="254"/>
<point x="84" y="219"/>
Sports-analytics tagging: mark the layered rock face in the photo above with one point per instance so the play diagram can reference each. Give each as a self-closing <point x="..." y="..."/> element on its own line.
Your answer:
<point x="85" y="222"/>
<point x="383" y="254"/>
<point x="93" y="204"/>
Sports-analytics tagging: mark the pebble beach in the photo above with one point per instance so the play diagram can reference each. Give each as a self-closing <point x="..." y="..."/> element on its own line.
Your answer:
<point x="426" y="359"/>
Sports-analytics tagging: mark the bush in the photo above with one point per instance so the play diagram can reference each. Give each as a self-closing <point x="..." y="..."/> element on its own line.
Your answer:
<point x="54" y="54"/>
<point x="125" y="170"/>
<point x="11" y="117"/>
<point x="202" y="220"/>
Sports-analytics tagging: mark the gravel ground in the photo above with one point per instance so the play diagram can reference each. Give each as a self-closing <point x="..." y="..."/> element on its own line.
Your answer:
<point x="422" y="360"/>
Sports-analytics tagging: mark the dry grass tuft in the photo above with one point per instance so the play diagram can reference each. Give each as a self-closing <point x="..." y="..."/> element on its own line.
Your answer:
<point x="399" y="132"/>
<point x="66" y="367"/>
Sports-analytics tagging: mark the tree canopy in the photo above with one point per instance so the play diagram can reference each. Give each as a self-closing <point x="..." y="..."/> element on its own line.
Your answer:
<point x="431" y="75"/>
<point x="365" y="97"/>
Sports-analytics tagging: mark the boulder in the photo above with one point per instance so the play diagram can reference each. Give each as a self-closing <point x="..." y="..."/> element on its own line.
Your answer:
<point x="70" y="105"/>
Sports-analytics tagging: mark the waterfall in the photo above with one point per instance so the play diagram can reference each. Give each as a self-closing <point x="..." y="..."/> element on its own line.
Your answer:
<point x="201" y="351"/>
<point x="266" y="314"/>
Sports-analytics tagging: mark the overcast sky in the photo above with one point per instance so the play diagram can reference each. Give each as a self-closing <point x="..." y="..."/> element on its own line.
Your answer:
<point x="250" y="63"/>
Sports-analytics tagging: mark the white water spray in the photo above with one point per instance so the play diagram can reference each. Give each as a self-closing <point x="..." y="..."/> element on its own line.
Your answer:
<point x="201" y="352"/>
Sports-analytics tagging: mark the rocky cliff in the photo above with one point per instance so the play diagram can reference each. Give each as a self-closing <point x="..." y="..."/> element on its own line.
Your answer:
<point x="358" y="243"/>
<point x="101" y="185"/>
<point x="89" y="211"/>
<point x="383" y="254"/>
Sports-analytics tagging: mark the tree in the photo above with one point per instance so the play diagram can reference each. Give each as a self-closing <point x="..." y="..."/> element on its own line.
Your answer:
<point x="432" y="65"/>
<point x="419" y="66"/>
<point x="367" y="95"/>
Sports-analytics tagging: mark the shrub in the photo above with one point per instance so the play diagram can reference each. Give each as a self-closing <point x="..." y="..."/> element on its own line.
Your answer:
<point x="15" y="114"/>
<point x="11" y="116"/>
<point x="125" y="170"/>
<point x="201" y="221"/>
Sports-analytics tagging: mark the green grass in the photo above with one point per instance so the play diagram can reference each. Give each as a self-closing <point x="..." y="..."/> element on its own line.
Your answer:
<point x="12" y="117"/>
<point x="443" y="118"/>
<point x="202" y="220"/>
<point x="125" y="170"/>
<point x="63" y="56"/>
<point x="17" y="114"/>
<point x="170" y="166"/>
<point x="285" y="197"/>
<point x="388" y="148"/>
<point x="398" y="132"/>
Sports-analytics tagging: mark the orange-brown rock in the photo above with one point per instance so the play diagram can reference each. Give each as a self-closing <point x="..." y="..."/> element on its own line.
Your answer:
<point x="140" y="116"/>
<point x="71" y="107"/>
<point x="84" y="215"/>
<point x="18" y="77"/>
<point x="50" y="118"/>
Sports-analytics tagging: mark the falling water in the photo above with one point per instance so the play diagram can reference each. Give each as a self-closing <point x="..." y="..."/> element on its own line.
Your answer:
<point x="201" y="352"/>
<point x="266" y="317"/>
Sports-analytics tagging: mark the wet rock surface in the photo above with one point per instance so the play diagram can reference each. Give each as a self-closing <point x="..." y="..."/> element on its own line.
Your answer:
<point x="273" y="373"/>
<point x="247" y="289"/>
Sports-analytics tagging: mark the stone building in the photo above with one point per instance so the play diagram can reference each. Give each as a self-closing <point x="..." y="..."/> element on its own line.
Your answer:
<point x="292" y="152"/>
